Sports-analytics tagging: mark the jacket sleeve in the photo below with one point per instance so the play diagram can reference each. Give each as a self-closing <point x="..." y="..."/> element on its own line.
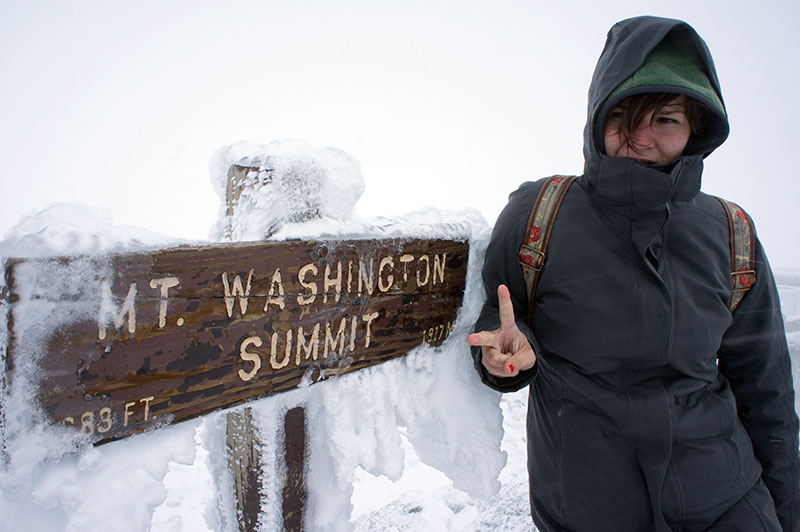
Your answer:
<point x="754" y="357"/>
<point x="501" y="266"/>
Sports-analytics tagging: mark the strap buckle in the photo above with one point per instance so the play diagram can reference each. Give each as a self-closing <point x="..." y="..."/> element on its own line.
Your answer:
<point x="743" y="284"/>
<point x="535" y="257"/>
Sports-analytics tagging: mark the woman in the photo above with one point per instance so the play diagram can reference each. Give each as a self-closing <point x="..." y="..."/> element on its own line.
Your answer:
<point x="652" y="406"/>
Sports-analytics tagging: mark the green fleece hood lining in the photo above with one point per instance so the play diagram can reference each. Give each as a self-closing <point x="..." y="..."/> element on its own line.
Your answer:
<point x="670" y="64"/>
<point x="669" y="68"/>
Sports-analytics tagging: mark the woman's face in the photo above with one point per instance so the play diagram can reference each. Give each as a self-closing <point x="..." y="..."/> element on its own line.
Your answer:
<point x="658" y="139"/>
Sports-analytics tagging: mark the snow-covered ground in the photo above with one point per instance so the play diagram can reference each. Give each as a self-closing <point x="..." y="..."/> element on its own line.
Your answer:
<point x="417" y="443"/>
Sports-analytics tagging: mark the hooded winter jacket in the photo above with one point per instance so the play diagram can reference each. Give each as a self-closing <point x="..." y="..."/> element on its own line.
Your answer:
<point x="651" y="406"/>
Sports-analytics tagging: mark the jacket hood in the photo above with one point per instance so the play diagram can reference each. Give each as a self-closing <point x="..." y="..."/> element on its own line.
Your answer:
<point x="652" y="54"/>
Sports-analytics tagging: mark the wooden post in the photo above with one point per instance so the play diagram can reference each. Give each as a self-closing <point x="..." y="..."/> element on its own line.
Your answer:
<point x="294" y="488"/>
<point x="244" y="444"/>
<point x="244" y="463"/>
<point x="244" y="450"/>
<point x="240" y="178"/>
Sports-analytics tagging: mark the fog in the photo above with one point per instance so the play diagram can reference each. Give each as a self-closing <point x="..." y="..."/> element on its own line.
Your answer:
<point x="448" y="104"/>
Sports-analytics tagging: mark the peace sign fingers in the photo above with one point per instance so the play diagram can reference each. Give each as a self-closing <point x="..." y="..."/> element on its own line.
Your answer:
<point x="505" y="351"/>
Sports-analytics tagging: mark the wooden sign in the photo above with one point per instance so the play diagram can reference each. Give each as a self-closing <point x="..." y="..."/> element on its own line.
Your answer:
<point x="155" y="338"/>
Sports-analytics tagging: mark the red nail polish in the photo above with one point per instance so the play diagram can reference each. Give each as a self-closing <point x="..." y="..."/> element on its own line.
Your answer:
<point x="511" y="368"/>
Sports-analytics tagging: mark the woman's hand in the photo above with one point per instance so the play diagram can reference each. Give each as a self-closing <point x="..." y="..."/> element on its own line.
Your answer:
<point x="506" y="351"/>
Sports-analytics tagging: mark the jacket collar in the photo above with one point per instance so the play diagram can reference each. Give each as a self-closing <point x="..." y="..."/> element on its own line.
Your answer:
<point x="626" y="186"/>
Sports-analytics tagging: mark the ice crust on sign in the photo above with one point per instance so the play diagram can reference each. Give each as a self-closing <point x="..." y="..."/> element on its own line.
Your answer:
<point x="50" y="480"/>
<point x="362" y="426"/>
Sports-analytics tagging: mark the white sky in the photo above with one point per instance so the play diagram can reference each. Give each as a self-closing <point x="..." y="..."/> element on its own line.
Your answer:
<point x="446" y="103"/>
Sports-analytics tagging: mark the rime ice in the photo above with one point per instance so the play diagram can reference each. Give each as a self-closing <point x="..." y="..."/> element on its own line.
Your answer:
<point x="280" y="183"/>
<point x="71" y="228"/>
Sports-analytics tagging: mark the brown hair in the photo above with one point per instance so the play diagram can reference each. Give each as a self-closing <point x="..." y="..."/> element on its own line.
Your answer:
<point x="639" y="105"/>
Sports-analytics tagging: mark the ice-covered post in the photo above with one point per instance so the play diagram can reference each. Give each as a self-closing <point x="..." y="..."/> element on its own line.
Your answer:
<point x="243" y="444"/>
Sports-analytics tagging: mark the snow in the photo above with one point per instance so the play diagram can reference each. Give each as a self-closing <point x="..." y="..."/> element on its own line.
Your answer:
<point x="72" y="228"/>
<point x="417" y="443"/>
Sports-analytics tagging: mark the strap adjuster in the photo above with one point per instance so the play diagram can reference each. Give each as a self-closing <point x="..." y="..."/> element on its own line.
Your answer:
<point x="531" y="257"/>
<point x="743" y="280"/>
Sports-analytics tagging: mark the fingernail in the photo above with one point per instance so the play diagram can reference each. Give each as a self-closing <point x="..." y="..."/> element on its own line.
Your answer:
<point x="511" y="368"/>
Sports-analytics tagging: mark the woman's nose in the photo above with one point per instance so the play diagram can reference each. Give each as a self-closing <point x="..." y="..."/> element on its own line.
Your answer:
<point x="642" y="135"/>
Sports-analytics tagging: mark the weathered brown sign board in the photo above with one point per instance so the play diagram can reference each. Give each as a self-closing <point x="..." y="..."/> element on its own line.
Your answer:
<point x="182" y="332"/>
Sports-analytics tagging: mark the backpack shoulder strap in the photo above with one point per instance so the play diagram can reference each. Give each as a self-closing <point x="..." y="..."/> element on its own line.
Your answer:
<point x="540" y="224"/>
<point x="743" y="251"/>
